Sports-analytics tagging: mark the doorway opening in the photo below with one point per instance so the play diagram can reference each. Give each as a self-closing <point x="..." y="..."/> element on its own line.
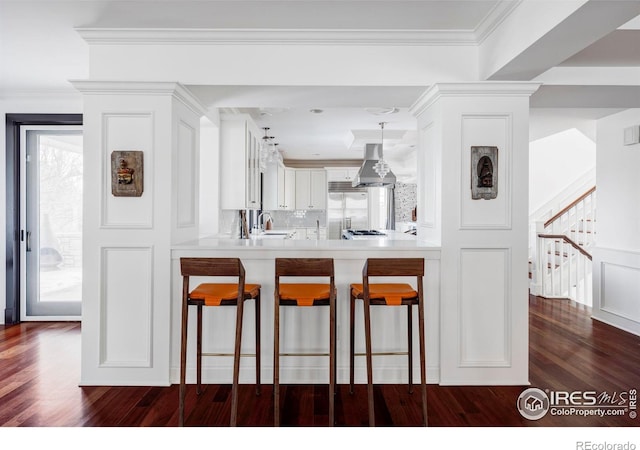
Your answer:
<point x="17" y="239"/>
<point x="51" y="218"/>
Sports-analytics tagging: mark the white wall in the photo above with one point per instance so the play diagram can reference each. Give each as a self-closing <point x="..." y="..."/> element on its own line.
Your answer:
<point x="196" y="59"/>
<point x="617" y="252"/>
<point x="555" y="163"/>
<point x="42" y="103"/>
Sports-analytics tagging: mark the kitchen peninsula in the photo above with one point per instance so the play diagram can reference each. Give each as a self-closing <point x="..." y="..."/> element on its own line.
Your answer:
<point x="307" y="329"/>
<point x="476" y="284"/>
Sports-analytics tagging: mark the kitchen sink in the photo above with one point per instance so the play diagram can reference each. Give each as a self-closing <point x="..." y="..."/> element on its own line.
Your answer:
<point x="275" y="234"/>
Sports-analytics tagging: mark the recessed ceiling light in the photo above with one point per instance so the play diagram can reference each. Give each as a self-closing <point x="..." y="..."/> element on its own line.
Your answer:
<point x="382" y="111"/>
<point x="316" y="111"/>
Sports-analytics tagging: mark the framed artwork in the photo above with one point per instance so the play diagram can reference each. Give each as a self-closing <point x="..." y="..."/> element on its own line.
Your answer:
<point x="127" y="176"/>
<point x="484" y="172"/>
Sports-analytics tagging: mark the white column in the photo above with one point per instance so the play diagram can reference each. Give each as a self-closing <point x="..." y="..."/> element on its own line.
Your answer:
<point x="126" y="328"/>
<point x="484" y="275"/>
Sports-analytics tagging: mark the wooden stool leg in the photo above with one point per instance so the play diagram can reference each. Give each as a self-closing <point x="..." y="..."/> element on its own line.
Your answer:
<point x="257" y="303"/>
<point x="423" y="369"/>
<point x="352" y="311"/>
<point x="199" y="352"/>
<point x="367" y="334"/>
<point x="332" y="358"/>
<point x="276" y="363"/>
<point x="236" y="363"/>
<point x="410" y="345"/>
<point x="183" y="362"/>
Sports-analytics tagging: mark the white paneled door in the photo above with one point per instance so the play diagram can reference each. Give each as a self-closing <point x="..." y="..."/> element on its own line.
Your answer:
<point x="51" y="222"/>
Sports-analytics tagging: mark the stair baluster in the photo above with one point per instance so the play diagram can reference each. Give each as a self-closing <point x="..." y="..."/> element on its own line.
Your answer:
<point x="562" y="267"/>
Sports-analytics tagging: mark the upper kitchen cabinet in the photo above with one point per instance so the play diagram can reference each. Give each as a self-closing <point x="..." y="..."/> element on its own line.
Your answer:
<point x="239" y="163"/>
<point x="279" y="188"/>
<point x="342" y="173"/>
<point x="311" y="189"/>
<point x="289" y="188"/>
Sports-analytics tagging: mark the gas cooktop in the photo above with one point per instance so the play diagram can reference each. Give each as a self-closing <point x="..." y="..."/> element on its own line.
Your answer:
<point x="366" y="233"/>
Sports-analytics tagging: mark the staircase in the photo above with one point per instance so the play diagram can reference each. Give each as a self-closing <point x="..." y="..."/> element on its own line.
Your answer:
<point x="560" y="264"/>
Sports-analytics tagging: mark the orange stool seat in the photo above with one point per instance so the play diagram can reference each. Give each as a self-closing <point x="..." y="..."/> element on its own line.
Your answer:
<point x="304" y="294"/>
<point x="392" y="293"/>
<point x="214" y="293"/>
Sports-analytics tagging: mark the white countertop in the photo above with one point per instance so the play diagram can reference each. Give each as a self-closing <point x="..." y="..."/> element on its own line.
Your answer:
<point x="311" y="244"/>
<point x="388" y="234"/>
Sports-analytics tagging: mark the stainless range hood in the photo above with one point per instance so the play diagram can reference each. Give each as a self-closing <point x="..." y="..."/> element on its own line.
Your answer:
<point x="367" y="176"/>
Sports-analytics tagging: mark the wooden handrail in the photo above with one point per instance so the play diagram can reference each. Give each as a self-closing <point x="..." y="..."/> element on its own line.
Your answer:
<point x="568" y="241"/>
<point x="571" y="205"/>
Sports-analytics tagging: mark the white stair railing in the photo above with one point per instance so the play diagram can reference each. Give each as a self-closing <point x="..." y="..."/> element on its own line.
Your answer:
<point x="563" y="267"/>
<point x="576" y="221"/>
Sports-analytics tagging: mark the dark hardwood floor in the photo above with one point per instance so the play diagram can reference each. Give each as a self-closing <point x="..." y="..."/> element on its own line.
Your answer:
<point x="40" y="367"/>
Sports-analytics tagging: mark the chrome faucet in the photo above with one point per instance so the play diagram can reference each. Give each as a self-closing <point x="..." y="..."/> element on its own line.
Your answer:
<point x="260" y="216"/>
<point x="317" y="229"/>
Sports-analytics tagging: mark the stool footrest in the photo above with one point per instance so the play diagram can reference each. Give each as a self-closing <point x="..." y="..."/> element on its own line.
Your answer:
<point x="304" y="354"/>
<point x="227" y="354"/>
<point x="383" y="354"/>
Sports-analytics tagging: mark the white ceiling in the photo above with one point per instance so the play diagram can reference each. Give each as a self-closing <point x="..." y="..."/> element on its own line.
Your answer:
<point x="349" y="116"/>
<point x="40" y="51"/>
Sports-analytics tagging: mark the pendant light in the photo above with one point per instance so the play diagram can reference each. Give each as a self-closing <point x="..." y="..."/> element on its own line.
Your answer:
<point x="265" y="148"/>
<point x="381" y="167"/>
<point x="269" y="152"/>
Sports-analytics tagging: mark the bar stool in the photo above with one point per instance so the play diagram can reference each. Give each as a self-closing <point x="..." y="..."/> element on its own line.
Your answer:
<point x="389" y="294"/>
<point x="216" y="294"/>
<point x="304" y="295"/>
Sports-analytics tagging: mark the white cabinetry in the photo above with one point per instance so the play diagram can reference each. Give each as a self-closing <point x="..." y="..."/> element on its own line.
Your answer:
<point x="289" y="188"/>
<point x="279" y="188"/>
<point x="342" y="173"/>
<point x="310" y="233"/>
<point x="239" y="163"/>
<point x="311" y="189"/>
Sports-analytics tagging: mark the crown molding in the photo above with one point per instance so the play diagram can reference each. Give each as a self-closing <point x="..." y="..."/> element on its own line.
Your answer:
<point x="176" y="90"/>
<point x="479" y="89"/>
<point x="494" y="19"/>
<point x="188" y="36"/>
<point x="39" y="94"/>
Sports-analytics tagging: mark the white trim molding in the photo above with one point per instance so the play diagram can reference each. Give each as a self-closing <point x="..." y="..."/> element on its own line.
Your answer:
<point x="243" y="36"/>
<point x="107" y="87"/>
<point x="120" y="344"/>
<point x="480" y="89"/>
<point x="616" y="290"/>
<point x="301" y="36"/>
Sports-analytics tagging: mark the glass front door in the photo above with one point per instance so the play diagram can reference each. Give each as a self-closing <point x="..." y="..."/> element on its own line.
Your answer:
<point x="51" y="214"/>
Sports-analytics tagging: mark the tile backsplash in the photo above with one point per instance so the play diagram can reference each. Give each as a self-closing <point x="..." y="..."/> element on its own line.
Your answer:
<point x="298" y="218"/>
<point x="406" y="198"/>
<point x="230" y="220"/>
